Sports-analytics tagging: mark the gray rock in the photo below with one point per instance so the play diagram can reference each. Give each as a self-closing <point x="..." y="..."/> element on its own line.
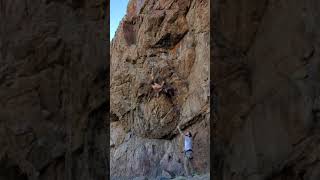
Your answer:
<point x="166" y="174"/>
<point x="162" y="178"/>
<point x="140" y="178"/>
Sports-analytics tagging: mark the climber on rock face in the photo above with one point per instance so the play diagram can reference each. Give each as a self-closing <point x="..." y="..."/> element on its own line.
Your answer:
<point x="168" y="90"/>
<point x="187" y="152"/>
<point x="157" y="87"/>
<point x="162" y="87"/>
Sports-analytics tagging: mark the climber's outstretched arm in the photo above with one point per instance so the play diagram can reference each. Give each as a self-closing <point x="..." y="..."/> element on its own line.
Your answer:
<point x="179" y="130"/>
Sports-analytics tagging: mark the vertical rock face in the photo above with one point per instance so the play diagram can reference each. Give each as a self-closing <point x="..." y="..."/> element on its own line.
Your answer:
<point x="266" y="77"/>
<point x="52" y="90"/>
<point x="165" y="41"/>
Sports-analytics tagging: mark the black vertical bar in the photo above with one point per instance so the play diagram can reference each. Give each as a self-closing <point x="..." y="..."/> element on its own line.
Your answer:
<point x="214" y="13"/>
<point x="107" y="26"/>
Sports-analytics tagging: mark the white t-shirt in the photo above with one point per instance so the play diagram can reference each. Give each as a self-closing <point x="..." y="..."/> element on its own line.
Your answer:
<point x="187" y="143"/>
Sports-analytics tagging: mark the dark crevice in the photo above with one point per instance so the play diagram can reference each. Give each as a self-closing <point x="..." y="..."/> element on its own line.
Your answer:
<point x="169" y="40"/>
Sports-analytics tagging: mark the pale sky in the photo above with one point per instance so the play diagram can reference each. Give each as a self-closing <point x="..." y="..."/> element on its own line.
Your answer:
<point x="118" y="9"/>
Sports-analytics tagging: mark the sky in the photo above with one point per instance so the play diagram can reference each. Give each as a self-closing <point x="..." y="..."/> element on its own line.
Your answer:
<point x="118" y="9"/>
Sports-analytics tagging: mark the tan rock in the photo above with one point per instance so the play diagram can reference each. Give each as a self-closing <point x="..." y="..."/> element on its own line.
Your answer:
<point x="163" y="40"/>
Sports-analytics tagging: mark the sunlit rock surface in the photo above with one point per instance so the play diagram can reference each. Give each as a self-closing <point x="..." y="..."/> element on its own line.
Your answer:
<point x="168" y="40"/>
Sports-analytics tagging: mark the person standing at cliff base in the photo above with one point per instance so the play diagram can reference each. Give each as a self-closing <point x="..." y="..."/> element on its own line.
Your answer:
<point x="187" y="152"/>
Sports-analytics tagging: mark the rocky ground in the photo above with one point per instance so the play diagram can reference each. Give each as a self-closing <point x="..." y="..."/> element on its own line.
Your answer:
<point x="169" y="40"/>
<point x="195" y="177"/>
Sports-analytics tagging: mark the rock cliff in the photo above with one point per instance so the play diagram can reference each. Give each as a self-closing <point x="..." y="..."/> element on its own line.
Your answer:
<point x="160" y="40"/>
<point x="266" y="61"/>
<point x="53" y="73"/>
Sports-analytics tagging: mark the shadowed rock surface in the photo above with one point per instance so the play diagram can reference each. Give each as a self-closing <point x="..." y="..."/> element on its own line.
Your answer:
<point x="169" y="41"/>
<point x="266" y="76"/>
<point x="52" y="90"/>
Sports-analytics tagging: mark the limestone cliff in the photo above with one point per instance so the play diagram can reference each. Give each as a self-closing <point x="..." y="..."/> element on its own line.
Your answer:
<point x="164" y="40"/>
<point x="53" y="69"/>
<point x="266" y="78"/>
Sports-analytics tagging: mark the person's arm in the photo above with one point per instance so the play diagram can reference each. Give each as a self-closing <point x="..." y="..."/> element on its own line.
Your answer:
<point x="179" y="130"/>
